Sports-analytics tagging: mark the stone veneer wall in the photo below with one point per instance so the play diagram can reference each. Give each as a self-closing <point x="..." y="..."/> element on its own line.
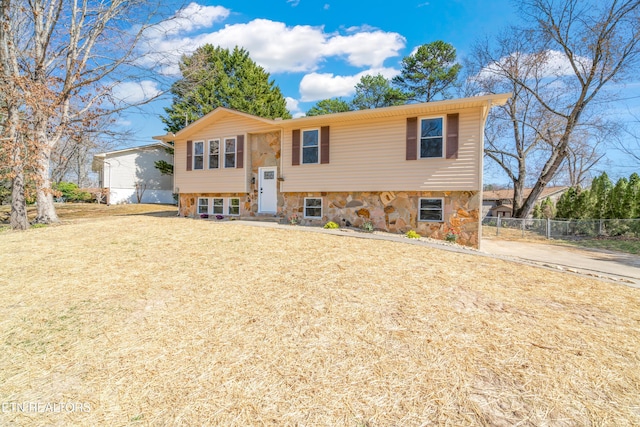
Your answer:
<point x="189" y="202"/>
<point x="395" y="212"/>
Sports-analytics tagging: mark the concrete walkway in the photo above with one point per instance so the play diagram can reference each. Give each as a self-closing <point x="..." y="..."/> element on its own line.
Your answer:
<point x="616" y="266"/>
<point x="611" y="266"/>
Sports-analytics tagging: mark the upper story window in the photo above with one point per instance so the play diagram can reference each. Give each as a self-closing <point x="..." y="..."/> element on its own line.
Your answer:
<point x="198" y="155"/>
<point x="214" y="154"/>
<point x="229" y="152"/>
<point x="310" y="146"/>
<point x="431" y="137"/>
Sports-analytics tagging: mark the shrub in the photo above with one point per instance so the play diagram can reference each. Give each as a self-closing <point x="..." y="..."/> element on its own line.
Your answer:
<point x="331" y="225"/>
<point x="413" y="235"/>
<point x="451" y="236"/>
<point x="367" y="226"/>
<point x="71" y="193"/>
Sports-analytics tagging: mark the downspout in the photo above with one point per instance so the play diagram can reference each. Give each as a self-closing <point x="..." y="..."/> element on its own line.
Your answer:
<point x="483" y="122"/>
<point x="281" y="168"/>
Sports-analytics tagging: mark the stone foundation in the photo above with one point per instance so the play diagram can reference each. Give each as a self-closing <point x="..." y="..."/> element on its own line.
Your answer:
<point x="394" y="212"/>
<point x="189" y="203"/>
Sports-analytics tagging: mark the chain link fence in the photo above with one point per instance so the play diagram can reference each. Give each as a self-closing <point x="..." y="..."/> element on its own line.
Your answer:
<point x="560" y="229"/>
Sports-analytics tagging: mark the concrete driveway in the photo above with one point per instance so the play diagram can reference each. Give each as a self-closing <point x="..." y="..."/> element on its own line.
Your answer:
<point x="616" y="266"/>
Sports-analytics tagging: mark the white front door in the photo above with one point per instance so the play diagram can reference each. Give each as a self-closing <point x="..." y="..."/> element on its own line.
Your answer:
<point x="268" y="190"/>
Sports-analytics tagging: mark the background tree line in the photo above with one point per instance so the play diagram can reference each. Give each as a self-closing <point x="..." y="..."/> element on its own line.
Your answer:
<point x="603" y="200"/>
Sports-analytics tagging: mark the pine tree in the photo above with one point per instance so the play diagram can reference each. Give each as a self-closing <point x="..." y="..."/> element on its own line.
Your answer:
<point x="215" y="77"/>
<point x="430" y="72"/>
<point x="375" y="92"/>
<point x="329" y="106"/>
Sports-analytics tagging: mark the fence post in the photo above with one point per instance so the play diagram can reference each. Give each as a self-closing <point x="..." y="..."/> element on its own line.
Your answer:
<point x="548" y="228"/>
<point x="600" y="227"/>
<point x="498" y="226"/>
<point x="523" y="220"/>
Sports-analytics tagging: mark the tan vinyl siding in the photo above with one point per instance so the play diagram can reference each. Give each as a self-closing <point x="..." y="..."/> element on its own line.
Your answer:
<point x="222" y="180"/>
<point x="371" y="156"/>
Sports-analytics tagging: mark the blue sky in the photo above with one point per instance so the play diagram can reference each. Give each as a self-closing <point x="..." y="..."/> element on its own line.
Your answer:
<point x="317" y="49"/>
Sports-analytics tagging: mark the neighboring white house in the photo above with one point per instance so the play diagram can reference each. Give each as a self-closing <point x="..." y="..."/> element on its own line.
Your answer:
<point x="130" y="174"/>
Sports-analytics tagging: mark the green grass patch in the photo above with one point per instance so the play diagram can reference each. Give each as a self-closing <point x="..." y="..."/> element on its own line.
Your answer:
<point x="630" y="246"/>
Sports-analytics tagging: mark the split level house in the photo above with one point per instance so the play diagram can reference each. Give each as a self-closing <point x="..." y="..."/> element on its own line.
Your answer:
<point x="410" y="167"/>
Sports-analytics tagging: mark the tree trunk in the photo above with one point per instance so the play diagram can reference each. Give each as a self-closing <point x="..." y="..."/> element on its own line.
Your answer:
<point x="44" y="195"/>
<point x="18" y="219"/>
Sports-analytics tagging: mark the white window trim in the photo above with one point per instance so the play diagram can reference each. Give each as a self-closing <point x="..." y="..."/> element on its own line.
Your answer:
<point x="235" y="152"/>
<point x="193" y="160"/>
<point x="211" y="206"/>
<point x="198" y="205"/>
<point x="302" y="146"/>
<point x="444" y="136"/>
<point x="228" y="206"/>
<point x="441" y="209"/>
<point x="304" y="208"/>
<point x="209" y="153"/>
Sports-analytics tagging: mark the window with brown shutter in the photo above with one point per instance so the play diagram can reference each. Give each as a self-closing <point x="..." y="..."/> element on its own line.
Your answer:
<point x="412" y="138"/>
<point x="324" y="144"/>
<point x="295" y="147"/>
<point x="189" y="155"/>
<point x="452" y="136"/>
<point x="240" y="152"/>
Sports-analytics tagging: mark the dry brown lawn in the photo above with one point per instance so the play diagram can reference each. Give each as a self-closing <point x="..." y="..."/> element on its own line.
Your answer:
<point x="147" y="320"/>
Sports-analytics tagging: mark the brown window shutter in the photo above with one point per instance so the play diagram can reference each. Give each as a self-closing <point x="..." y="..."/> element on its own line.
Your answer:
<point x="324" y="144"/>
<point x="189" y="155"/>
<point x="295" y="147"/>
<point x="452" y="135"/>
<point x="412" y="138"/>
<point x="240" y="152"/>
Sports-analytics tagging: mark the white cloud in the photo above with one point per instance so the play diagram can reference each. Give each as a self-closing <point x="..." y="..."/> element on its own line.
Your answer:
<point x="190" y="18"/>
<point x="135" y="92"/>
<point x="317" y="86"/>
<point x="369" y="48"/>
<point x="273" y="45"/>
<point x="294" y="3"/>
<point x="293" y="106"/>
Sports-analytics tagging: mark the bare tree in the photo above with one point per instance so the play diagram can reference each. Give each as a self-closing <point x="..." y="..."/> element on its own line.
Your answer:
<point x="56" y="57"/>
<point x="555" y="68"/>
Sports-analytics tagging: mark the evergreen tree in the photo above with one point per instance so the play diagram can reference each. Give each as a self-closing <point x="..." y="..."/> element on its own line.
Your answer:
<point x="329" y="106"/>
<point x="215" y="77"/>
<point x="537" y="211"/>
<point x="582" y="209"/>
<point x="565" y="207"/>
<point x="375" y="92"/>
<point x="632" y="197"/>
<point x="618" y="207"/>
<point x="601" y="197"/>
<point x="547" y="208"/>
<point x="430" y="72"/>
